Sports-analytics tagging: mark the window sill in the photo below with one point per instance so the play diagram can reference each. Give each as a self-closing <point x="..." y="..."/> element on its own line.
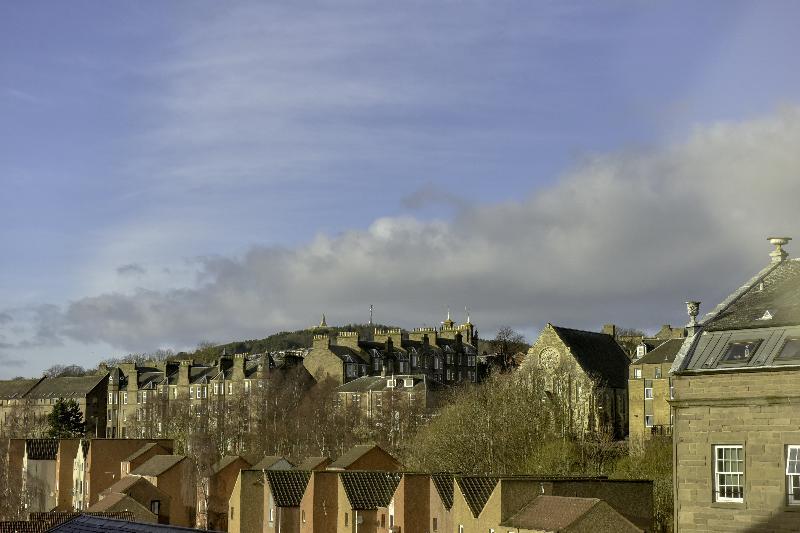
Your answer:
<point x="728" y="505"/>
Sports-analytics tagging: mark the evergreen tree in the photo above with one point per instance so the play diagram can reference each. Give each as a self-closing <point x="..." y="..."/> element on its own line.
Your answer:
<point x="66" y="420"/>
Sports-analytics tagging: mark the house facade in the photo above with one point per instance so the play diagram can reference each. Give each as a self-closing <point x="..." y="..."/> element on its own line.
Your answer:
<point x="448" y="354"/>
<point x="737" y="423"/>
<point x="650" y="391"/>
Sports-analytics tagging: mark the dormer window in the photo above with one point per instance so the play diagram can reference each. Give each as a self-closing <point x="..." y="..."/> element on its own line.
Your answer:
<point x="740" y="351"/>
<point x="790" y="351"/>
<point x="641" y="350"/>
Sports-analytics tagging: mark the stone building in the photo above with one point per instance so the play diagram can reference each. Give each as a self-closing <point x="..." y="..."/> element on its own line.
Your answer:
<point x="447" y="355"/>
<point x="650" y="391"/>
<point x="376" y="395"/>
<point x="587" y="374"/>
<point x="25" y="403"/>
<point x="737" y="423"/>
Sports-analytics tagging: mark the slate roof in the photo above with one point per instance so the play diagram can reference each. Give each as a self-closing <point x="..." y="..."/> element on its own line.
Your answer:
<point x="552" y="513"/>
<point x="268" y="462"/>
<point x="663" y="353"/>
<point x="157" y="465"/>
<point x="65" y="387"/>
<point x="444" y="486"/>
<point x="43" y="521"/>
<point x="16" y="388"/>
<point x="476" y="491"/>
<point x="288" y="486"/>
<point x="314" y="463"/>
<point x="378" y="383"/>
<point x="86" y="523"/>
<point x="347" y="354"/>
<point x="598" y="354"/>
<point x="369" y="490"/>
<point x="42" y="449"/>
<point x="775" y="291"/>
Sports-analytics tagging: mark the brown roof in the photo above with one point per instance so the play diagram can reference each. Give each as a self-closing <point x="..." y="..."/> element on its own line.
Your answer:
<point x="314" y="463"/>
<point x="92" y="523"/>
<point x="354" y="454"/>
<point x="288" y="486"/>
<point x="369" y="490"/>
<point x="115" y="498"/>
<point x="157" y="465"/>
<point x="144" y="449"/>
<point x="553" y="513"/>
<point x="269" y="461"/>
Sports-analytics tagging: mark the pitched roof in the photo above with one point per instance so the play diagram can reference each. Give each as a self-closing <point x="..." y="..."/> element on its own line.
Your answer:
<point x="225" y="462"/>
<point x="598" y="354"/>
<point x="65" y="386"/>
<point x="42" y="449"/>
<point x="354" y="454"/>
<point x="144" y="449"/>
<point x="443" y="482"/>
<point x="86" y="523"/>
<point x="551" y="513"/>
<point x="774" y="291"/>
<point x="23" y="526"/>
<point x="664" y="353"/>
<point x="157" y="465"/>
<point x="269" y="461"/>
<point x="379" y="383"/>
<point x="126" y="483"/>
<point x="369" y="490"/>
<point x="15" y="388"/>
<point x="113" y="499"/>
<point x="314" y="463"/>
<point x="288" y="486"/>
<point x="476" y="491"/>
<point x="43" y="521"/>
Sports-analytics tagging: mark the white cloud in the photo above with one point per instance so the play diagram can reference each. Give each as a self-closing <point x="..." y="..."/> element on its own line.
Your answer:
<point x="625" y="237"/>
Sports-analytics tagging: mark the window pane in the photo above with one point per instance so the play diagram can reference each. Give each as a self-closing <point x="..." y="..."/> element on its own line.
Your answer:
<point x="790" y="350"/>
<point x="741" y="351"/>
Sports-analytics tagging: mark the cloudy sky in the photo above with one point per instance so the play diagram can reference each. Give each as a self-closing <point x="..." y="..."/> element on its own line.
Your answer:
<point x="176" y="172"/>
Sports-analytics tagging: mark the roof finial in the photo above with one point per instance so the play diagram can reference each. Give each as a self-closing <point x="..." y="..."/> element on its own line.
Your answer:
<point x="370" y="314"/>
<point x="779" y="254"/>
<point x="323" y="324"/>
<point x="693" y="308"/>
<point x="466" y="311"/>
<point x="448" y="312"/>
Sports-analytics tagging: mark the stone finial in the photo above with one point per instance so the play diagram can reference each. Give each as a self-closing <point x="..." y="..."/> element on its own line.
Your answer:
<point x="779" y="254"/>
<point x="693" y="309"/>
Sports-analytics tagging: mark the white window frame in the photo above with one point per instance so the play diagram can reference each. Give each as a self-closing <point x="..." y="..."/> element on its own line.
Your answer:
<point x="637" y="373"/>
<point x="648" y="421"/>
<point x="793" y="474"/>
<point x="648" y="391"/>
<point x="729" y="469"/>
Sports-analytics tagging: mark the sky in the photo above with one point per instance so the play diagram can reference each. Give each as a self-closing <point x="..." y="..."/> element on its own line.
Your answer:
<point x="178" y="172"/>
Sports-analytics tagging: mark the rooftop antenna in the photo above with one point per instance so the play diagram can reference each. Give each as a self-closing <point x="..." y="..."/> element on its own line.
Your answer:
<point x="466" y="310"/>
<point x="370" y="314"/>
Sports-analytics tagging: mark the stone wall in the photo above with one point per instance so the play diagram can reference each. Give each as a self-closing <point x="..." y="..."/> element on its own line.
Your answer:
<point x="759" y="410"/>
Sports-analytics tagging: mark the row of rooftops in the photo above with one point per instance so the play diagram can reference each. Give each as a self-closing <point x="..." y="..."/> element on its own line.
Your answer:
<point x="49" y="387"/>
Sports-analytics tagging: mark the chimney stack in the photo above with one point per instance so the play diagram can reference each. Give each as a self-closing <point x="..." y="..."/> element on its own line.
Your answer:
<point x="779" y="254"/>
<point x="693" y="308"/>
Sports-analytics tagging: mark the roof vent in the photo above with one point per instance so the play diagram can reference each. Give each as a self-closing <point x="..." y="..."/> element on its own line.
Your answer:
<point x="779" y="254"/>
<point x="766" y="316"/>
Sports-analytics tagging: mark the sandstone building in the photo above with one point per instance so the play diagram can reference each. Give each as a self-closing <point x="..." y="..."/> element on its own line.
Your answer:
<point x="737" y="421"/>
<point x="587" y="374"/>
<point x="650" y="391"/>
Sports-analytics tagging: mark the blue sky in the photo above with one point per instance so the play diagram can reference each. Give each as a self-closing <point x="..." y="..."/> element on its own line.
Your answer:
<point x="182" y="171"/>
